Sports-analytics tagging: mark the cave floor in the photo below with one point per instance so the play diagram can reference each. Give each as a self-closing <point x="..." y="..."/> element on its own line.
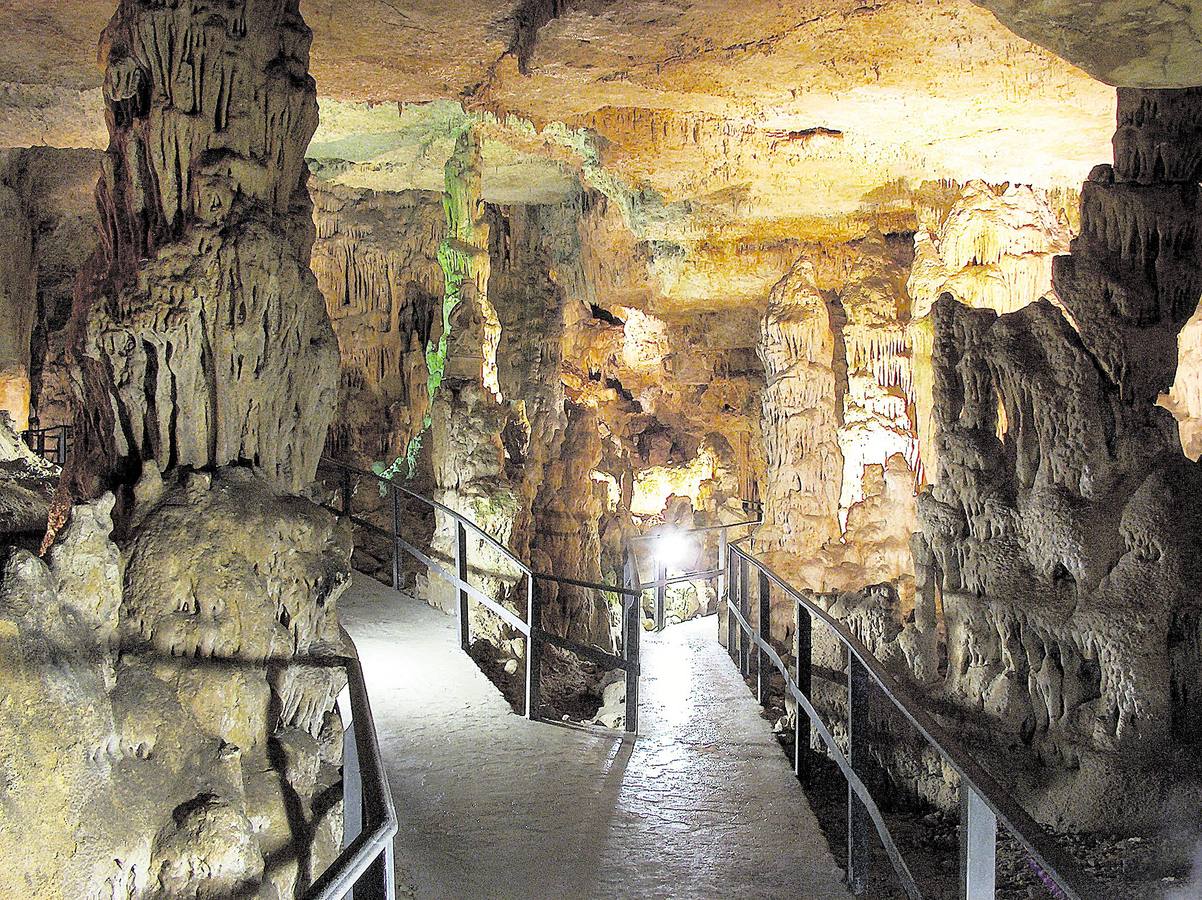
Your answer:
<point x="703" y="804"/>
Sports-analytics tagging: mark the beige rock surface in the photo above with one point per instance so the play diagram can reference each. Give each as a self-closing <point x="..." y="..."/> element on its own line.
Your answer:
<point x="1127" y="43"/>
<point x="149" y="768"/>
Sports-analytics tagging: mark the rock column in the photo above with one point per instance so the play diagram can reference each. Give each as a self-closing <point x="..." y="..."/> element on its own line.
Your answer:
<point x="1064" y="519"/>
<point x="802" y="412"/>
<point x="203" y="337"/>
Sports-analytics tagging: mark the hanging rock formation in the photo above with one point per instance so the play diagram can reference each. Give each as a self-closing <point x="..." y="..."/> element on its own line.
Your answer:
<point x="1064" y="520"/>
<point x="376" y="262"/>
<point x="205" y="338"/>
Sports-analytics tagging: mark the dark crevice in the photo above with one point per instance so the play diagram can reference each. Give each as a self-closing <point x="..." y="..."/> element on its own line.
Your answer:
<point x="604" y="315"/>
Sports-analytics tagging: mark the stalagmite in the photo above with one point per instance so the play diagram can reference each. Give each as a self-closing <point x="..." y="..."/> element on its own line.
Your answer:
<point x="803" y="408"/>
<point x="205" y="338"/>
<point x="170" y="728"/>
<point x="1065" y="534"/>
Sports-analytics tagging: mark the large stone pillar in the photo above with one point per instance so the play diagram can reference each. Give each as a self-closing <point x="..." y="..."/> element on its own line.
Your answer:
<point x="1064" y="519"/>
<point x="802" y="413"/>
<point x="203" y="337"/>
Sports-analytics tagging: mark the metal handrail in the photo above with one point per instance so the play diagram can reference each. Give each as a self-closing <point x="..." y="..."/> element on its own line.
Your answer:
<point x="662" y="581"/>
<point x="984" y="802"/>
<point x="630" y="592"/>
<point x="365" y="863"/>
<point x="52" y="443"/>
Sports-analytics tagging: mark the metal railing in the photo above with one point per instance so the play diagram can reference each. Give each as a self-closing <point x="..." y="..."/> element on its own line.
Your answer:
<point x="983" y="802"/>
<point x="364" y="867"/>
<point x="53" y="444"/>
<point x="663" y="580"/>
<point x="536" y="637"/>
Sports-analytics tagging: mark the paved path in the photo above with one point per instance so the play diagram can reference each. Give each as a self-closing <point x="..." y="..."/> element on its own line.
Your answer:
<point x="702" y="805"/>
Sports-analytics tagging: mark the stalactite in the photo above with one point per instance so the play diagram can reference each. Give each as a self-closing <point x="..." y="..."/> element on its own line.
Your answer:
<point x="200" y="294"/>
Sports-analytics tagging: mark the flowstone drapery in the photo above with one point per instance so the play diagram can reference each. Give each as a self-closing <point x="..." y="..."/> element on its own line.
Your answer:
<point x="172" y="728"/>
<point x="1064" y="520"/>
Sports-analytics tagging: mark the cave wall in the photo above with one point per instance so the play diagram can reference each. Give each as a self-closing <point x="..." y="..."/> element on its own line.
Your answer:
<point x="54" y="190"/>
<point x="376" y="260"/>
<point x="18" y="305"/>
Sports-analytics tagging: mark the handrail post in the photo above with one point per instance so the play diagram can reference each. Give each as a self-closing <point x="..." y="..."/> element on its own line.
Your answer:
<point x="632" y="616"/>
<point x="803" y="640"/>
<point x="722" y="567"/>
<point x="346" y="491"/>
<point x="461" y="595"/>
<point x="396" y="537"/>
<point x="533" y="650"/>
<point x="745" y="609"/>
<point x="765" y="629"/>
<point x="978" y="846"/>
<point x="732" y="646"/>
<point x="858" y="822"/>
<point x="661" y="594"/>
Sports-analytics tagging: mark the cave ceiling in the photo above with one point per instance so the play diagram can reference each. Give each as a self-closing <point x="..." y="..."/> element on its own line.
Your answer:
<point x="715" y="124"/>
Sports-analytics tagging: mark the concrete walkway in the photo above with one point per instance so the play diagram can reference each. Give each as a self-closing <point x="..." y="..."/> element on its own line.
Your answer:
<point x="702" y="805"/>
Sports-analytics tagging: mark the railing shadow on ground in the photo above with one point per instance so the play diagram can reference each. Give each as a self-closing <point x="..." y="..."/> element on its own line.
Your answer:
<point x="984" y="803"/>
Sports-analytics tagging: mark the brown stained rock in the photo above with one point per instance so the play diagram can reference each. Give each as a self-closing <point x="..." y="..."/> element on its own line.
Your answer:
<point x="376" y="262"/>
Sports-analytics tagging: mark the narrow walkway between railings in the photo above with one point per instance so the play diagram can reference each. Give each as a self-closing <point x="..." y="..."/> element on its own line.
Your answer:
<point x="703" y="804"/>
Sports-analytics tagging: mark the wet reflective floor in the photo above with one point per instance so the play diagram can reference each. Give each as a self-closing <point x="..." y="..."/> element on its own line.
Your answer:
<point x="702" y="804"/>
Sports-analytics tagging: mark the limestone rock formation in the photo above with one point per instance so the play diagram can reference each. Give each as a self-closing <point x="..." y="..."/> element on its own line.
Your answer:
<point x="18" y="306"/>
<point x="376" y="262"/>
<point x="840" y="425"/>
<point x="205" y="339"/>
<point x="1063" y="519"/>
<point x="803" y="410"/>
<point x="143" y="718"/>
<point x="58" y="188"/>
<point x="1145" y="43"/>
<point x="991" y="248"/>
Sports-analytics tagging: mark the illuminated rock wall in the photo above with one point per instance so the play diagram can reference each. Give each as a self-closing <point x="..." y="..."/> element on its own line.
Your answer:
<point x="803" y="410"/>
<point x="1064" y="519"/>
<point x="376" y="262"/>
<point x="18" y="306"/>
